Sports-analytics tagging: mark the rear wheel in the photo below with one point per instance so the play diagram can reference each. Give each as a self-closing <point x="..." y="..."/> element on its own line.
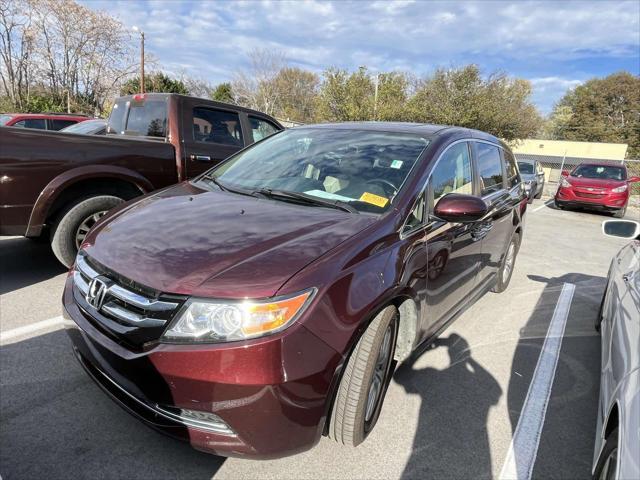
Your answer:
<point x="508" y="263"/>
<point x="73" y="224"/>
<point x="608" y="461"/>
<point x="365" y="380"/>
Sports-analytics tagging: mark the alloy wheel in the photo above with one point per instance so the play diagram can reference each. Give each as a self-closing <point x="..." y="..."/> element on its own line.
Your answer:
<point x="86" y="225"/>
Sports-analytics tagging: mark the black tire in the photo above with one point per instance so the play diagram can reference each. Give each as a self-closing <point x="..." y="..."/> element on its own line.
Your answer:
<point x="66" y="227"/>
<point x="607" y="462"/>
<point x="598" y="323"/>
<point x="620" y="213"/>
<point x="508" y="264"/>
<point x="353" y="416"/>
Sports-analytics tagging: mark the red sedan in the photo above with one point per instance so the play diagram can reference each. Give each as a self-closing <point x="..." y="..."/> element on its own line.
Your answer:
<point x="599" y="186"/>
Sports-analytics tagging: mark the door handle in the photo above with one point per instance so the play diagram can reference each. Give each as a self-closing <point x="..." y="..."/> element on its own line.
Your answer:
<point x="201" y="158"/>
<point x="627" y="277"/>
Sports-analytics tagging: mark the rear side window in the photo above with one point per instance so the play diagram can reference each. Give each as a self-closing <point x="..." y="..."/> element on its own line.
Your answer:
<point x="513" y="177"/>
<point x="261" y="128"/>
<point x="216" y="126"/>
<point x="489" y="168"/>
<point x="60" y="124"/>
<point x="39" y="123"/>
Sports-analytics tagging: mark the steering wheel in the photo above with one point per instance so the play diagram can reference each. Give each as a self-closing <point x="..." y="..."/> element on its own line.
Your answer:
<point x="384" y="183"/>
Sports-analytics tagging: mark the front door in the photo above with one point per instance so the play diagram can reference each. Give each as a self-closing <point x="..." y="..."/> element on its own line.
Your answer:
<point x="453" y="249"/>
<point x="210" y="136"/>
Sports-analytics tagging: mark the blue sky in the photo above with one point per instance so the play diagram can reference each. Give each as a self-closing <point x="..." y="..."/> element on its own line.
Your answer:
<point x="556" y="45"/>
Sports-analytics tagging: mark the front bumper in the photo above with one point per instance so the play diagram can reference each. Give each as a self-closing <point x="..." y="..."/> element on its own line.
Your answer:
<point x="264" y="398"/>
<point x="606" y="200"/>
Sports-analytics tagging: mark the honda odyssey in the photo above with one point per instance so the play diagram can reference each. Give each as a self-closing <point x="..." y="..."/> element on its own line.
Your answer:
<point x="267" y="302"/>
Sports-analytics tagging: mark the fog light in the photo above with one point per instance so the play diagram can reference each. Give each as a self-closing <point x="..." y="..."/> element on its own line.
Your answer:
<point x="198" y="419"/>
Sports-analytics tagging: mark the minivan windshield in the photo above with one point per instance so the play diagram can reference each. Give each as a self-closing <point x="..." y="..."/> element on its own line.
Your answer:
<point x="525" y="167"/>
<point x="604" y="172"/>
<point x="363" y="169"/>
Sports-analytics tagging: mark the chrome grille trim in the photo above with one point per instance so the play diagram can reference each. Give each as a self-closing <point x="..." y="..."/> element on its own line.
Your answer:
<point x="82" y="278"/>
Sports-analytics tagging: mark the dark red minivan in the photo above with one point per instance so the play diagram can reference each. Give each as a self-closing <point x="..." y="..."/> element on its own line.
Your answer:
<point x="267" y="302"/>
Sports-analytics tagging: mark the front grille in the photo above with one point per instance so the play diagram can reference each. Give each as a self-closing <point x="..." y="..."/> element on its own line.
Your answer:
<point x="589" y="195"/>
<point x="133" y="315"/>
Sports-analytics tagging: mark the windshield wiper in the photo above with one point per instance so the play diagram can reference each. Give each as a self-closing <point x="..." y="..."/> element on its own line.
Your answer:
<point x="224" y="187"/>
<point x="307" y="199"/>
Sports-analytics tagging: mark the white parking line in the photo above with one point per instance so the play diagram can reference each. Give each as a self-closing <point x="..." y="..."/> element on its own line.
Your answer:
<point x="545" y="204"/>
<point x="29" y="329"/>
<point x="524" y="444"/>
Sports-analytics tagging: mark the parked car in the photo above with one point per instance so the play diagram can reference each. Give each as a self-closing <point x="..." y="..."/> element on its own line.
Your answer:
<point x="266" y="302"/>
<point x="532" y="176"/>
<point x="60" y="185"/>
<point x="41" y="121"/>
<point x="617" y="442"/>
<point x="96" y="126"/>
<point x="599" y="186"/>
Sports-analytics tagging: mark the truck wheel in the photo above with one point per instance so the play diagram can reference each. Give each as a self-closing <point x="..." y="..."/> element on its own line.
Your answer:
<point x="72" y="225"/>
<point x="365" y="380"/>
<point x="508" y="263"/>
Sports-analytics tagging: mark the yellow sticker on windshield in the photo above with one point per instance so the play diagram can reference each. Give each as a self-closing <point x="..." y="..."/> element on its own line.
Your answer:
<point x="373" y="199"/>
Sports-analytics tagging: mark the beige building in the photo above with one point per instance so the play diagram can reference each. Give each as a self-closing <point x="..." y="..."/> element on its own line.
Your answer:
<point x="561" y="148"/>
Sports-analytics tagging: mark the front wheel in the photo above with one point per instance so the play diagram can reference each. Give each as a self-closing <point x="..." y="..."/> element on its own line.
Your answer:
<point x="539" y="194"/>
<point x="73" y="224"/>
<point x="620" y="213"/>
<point x="608" y="461"/>
<point x="364" y="384"/>
<point x="508" y="263"/>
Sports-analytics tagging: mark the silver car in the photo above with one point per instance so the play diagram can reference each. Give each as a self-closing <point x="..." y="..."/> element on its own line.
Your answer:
<point x="532" y="177"/>
<point x="617" y="448"/>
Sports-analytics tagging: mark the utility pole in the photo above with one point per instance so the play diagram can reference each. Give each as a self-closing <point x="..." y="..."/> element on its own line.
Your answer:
<point x="136" y="29"/>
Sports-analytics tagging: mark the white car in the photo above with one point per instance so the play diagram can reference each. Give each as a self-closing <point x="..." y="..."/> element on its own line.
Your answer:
<point x="617" y="447"/>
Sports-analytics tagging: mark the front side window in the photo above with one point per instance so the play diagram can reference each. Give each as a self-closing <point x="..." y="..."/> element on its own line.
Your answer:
<point x="216" y="126"/>
<point x="60" y="124"/>
<point x="452" y="174"/>
<point x="416" y="217"/>
<point x="39" y="123"/>
<point x="365" y="169"/>
<point x="261" y="128"/>
<point x="489" y="168"/>
<point x="526" y="168"/>
<point x="604" y="172"/>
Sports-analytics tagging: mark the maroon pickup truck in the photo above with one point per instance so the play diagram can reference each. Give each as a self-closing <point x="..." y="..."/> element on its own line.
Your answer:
<point x="60" y="184"/>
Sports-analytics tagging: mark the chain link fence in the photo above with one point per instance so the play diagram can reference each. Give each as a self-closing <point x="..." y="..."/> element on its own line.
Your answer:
<point x="553" y="167"/>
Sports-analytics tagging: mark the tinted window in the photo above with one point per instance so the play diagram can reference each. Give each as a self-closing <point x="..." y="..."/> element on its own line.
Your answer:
<point x="525" y="167"/>
<point x="364" y="168"/>
<point x="489" y="168"/>
<point x="452" y="174"/>
<point x="117" y="118"/>
<point x="147" y="118"/>
<point x="216" y="126"/>
<point x="513" y="177"/>
<point x="60" y="124"/>
<point x="261" y="128"/>
<point x="39" y="123"/>
<point x="604" y="172"/>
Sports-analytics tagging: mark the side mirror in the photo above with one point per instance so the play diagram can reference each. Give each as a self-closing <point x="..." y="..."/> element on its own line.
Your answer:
<point x="621" y="228"/>
<point x="459" y="208"/>
<point x="565" y="173"/>
<point x="634" y="179"/>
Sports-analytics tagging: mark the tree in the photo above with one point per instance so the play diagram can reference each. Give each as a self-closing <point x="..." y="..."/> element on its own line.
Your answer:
<point x="601" y="110"/>
<point x="498" y="104"/>
<point x="256" y="87"/>
<point x="296" y="94"/>
<point x="157" y="82"/>
<point x="223" y="92"/>
<point x="346" y="96"/>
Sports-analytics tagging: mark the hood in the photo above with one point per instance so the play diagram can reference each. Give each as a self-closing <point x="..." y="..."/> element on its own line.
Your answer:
<point x="192" y="241"/>
<point x="594" y="182"/>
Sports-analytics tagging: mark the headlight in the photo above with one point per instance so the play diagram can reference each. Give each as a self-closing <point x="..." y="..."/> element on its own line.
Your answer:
<point x="620" y="189"/>
<point x="564" y="182"/>
<point x="218" y="321"/>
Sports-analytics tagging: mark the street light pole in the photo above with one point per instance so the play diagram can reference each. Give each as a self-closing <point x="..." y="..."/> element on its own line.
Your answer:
<point x="136" y="29"/>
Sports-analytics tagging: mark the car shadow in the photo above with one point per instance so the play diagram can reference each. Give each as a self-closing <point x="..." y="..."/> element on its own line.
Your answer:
<point x="56" y="423"/>
<point x="451" y="438"/>
<point x="566" y="445"/>
<point x="25" y="262"/>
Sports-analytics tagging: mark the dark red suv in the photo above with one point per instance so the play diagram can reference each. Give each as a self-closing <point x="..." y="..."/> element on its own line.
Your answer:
<point x="267" y="302"/>
<point x="41" y="121"/>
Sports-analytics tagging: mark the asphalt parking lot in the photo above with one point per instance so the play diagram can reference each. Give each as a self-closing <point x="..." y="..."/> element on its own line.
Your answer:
<point x="450" y="412"/>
